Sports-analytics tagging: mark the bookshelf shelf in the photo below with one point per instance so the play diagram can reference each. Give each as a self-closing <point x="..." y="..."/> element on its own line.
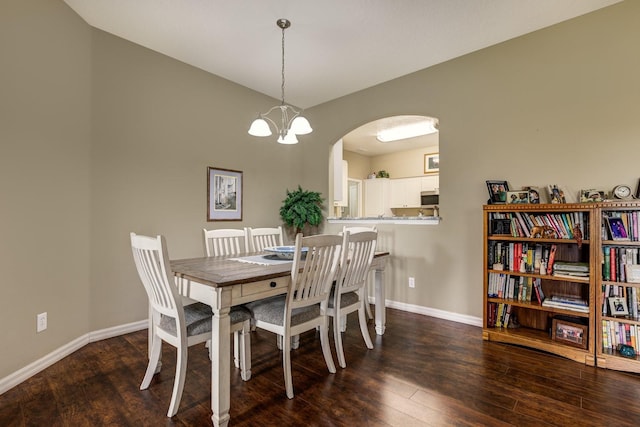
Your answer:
<point x="611" y="282"/>
<point x="510" y="294"/>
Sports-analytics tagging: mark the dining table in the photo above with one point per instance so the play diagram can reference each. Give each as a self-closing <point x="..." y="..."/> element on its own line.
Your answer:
<point x="224" y="282"/>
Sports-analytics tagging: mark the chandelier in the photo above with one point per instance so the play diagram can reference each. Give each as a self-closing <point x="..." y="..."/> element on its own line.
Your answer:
<point x="291" y="123"/>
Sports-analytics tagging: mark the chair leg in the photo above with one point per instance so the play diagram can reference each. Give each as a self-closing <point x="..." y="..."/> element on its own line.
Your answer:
<point x="365" y="298"/>
<point x="337" y="338"/>
<point x="154" y="358"/>
<point x="178" y="381"/>
<point x="286" y="365"/>
<point x="326" y="348"/>
<point x="208" y="345"/>
<point x="363" y="326"/>
<point x="244" y="352"/>
<point x="236" y="349"/>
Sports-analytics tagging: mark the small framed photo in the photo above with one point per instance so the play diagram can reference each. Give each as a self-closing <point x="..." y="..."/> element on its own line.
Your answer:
<point x="224" y="195"/>
<point x="432" y="163"/>
<point x="497" y="191"/>
<point x="557" y="194"/>
<point x="517" y="197"/>
<point x="618" y="306"/>
<point x="569" y="333"/>
<point x="632" y="273"/>
<point x="591" y="196"/>
<point x="534" y="195"/>
<point x="617" y="230"/>
<point x="638" y="190"/>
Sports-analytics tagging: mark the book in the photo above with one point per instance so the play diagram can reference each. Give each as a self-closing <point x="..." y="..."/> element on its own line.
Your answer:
<point x="606" y="269"/>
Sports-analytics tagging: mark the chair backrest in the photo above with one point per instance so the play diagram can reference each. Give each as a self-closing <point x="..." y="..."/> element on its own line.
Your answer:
<point x="261" y="238"/>
<point x="355" y="267"/>
<point x="313" y="275"/>
<point x="152" y="262"/>
<point x="225" y="241"/>
<point x="354" y="230"/>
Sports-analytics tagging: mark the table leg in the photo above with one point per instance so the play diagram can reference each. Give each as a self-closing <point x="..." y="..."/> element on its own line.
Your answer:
<point x="381" y="315"/>
<point x="220" y="359"/>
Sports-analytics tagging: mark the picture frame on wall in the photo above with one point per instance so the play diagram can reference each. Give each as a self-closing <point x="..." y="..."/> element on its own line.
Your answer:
<point x="431" y="163"/>
<point x="224" y="194"/>
<point x="497" y="191"/>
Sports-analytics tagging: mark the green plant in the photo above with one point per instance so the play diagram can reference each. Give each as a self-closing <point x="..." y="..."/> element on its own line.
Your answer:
<point x="301" y="207"/>
<point x="382" y="174"/>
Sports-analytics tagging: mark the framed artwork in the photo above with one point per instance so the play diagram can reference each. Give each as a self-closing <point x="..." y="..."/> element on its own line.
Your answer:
<point x="534" y="195"/>
<point x="517" y="196"/>
<point x="638" y="190"/>
<point x="432" y="163"/>
<point x="224" y="195"/>
<point x="618" y="306"/>
<point x="566" y="332"/>
<point x="497" y="191"/>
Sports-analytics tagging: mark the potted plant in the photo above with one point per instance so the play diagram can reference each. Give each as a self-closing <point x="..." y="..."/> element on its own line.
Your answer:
<point x="302" y="207"/>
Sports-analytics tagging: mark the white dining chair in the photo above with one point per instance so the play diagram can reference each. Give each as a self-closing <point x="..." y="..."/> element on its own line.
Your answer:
<point x="171" y="322"/>
<point x="260" y="238"/>
<point x="225" y="241"/>
<point x="365" y="289"/>
<point x="304" y="306"/>
<point x="347" y="296"/>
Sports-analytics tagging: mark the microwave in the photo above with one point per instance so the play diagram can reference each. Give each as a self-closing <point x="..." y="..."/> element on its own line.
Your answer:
<point x="429" y="199"/>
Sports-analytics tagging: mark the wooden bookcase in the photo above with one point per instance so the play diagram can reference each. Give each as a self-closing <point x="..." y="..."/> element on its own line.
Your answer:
<point x="626" y="251"/>
<point x="576" y="337"/>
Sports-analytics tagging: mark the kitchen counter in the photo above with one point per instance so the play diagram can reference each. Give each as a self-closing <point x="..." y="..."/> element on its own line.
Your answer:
<point x="399" y="220"/>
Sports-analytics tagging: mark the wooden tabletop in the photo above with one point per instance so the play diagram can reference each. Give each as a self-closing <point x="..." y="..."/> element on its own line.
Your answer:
<point x="223" y="271"/>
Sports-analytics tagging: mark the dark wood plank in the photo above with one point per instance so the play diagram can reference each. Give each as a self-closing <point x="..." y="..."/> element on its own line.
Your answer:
<point x="422" y="372"/>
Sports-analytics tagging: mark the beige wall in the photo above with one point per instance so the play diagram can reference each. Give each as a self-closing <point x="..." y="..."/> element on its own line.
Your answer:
<point x="45" y="135"/>
<point x="556" y="106"/>
<point x="119" y="141"/>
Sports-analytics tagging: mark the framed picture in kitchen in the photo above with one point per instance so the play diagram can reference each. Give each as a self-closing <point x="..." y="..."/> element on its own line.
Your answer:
<point x="432" y="163"/>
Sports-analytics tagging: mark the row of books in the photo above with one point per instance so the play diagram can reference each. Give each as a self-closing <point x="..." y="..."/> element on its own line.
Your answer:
<point x="517" y="288"/>
<point x="498" y="314"/>
<point x="621" y="226"/>
<point x="563" y="223"/>
<point x="615" y="261"/>
<point x="614" y="333"/>
<point x="567" y="302"/>
<point x="630" y="295"/>
<point x="521" y="257"/>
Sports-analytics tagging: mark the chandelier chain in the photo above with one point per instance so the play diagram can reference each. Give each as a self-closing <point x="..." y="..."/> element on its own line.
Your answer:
<point x="282" y="87"/>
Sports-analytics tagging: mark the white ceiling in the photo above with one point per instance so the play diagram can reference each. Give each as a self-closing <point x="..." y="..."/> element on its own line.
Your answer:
<point x="333" y="48"/>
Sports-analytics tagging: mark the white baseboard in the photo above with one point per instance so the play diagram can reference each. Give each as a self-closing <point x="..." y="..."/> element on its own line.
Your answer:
<point x="30" y="370"/>
<point x="433" y="312"/>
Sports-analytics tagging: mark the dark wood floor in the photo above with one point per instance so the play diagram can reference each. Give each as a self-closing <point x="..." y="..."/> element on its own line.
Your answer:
<point x="424" y="371"/>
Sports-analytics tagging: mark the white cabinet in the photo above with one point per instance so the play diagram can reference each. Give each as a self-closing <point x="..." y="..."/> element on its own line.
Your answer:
<point x="376" y="197"/>
<point x="430" y="183"/>
<point x="405" y="192"/>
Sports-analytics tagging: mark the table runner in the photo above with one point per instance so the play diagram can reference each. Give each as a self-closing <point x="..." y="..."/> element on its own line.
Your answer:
<point x="262" y="259"/>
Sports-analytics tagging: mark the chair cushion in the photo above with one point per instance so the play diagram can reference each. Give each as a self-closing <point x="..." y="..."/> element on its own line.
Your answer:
<point x="198" y="318"/>
<point x="271" y="310"/>
<point x="346" y="299"/>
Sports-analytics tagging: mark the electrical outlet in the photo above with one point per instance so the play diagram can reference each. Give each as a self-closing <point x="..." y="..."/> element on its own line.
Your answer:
<point x="41" y="322"/>
<point x="412" y="282"/>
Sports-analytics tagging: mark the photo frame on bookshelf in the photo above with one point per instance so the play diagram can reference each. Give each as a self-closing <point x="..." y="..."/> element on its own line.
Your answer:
<point x="497" y="191"/>
<point x="514" y="197"/>
<point x="569" y="333"/>
<point x="501" y="227"/>
<point x="616" y="228"/>
<point x="618" y="306"/>
<point x="534" y="195"/>
<point x="638" y="190"/>
<point x="557" y="194"/>
<point x="632" y="272"/>
<point x="592" y="196"/>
